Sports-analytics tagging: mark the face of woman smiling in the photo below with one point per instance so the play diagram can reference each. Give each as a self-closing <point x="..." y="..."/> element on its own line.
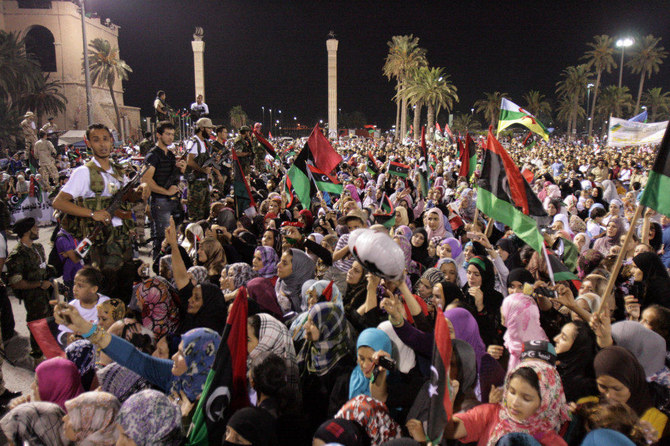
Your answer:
<point x="365" y="360"/>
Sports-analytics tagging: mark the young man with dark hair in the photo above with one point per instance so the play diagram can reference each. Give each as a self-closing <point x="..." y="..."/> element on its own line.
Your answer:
<point x="198" y="187"/>
<point x="162" y="178"/>
<point x="45" y="153"/>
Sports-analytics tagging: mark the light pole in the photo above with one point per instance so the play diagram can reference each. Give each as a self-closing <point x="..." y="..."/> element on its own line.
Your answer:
<point x="279" y="122"/>
<point x="270" y="120"/>
<point x="263" y="116"/>
<point x="623" y="44"/>
<point x="87" y="71"/>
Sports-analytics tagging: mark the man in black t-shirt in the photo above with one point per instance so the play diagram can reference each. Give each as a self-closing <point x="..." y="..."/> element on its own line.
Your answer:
<point x="222" y="153"/>
<point x="162" y="177"/>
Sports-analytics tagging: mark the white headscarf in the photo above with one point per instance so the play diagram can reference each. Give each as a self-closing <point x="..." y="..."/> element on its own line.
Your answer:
<point x="403" y="354"/>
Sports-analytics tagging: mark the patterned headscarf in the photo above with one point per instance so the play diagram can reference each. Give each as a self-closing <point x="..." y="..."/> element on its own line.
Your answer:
<point x="273" y="337"/>
<point x="319" y="357"/>
<point x="373" y="415"/>
<point x="35" y="423"/>
<point x="403" y="231"/>
<point x="200" y="346"/>
<point x="82" y="353"/>
<point x="270" y="260"/>
<point x="93" y="418"/>
<point x="522" y="317"/>
<point x="550" y="416"/>
<point x="158" y="300"/>
<point x="149" y="418"/>
<point x="121" y="382"/>
<point x="115" y="307"/>
<point x="58" y="380"/>
<point x="199" y="273"/>
<point x="242" y="273"/>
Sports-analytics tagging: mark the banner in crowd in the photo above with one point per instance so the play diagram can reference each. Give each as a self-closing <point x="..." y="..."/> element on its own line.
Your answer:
<point x="38" y="207"/>
<point x="628" y="133"/>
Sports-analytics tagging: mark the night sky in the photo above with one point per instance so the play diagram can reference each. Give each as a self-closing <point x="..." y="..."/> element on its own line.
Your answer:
<point x="273" y="53"/>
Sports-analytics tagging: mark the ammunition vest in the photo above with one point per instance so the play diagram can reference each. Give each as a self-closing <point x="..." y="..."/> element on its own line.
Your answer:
<point x="200" y="159"/>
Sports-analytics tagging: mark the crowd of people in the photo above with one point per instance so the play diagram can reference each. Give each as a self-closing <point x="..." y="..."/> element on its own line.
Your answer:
<point x="337" y="351"/>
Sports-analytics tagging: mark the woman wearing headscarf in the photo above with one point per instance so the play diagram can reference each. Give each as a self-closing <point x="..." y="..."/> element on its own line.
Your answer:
<point x="193" y="235"/>
<point x="647" y="346"/>
<point x="251" y="426"/>
<point x="235" y="276"/>
<point x="420" y="242"/>
<point x="575" y="349"/>
<point x="562" y="226"/>
<point x="489" y="370"/>
<point x="612" y="237"/>
<point x="324" y="357"/>
<point x="205" y="308"/>
<point x="651" y="281"/>
<point x="533" y="404"/>
<point x="357" y="284"/>
<point x="110" y="311"/>
<point x="521" y="315"/>
<point x="509" y="253"/>
<point x="480" y="294"/>
<point x="294" y="268"/>
<point x="267" y="334"/>
<point x="265" y="263"/>
<point x="35" y="423"/>
<point x="91" y="419"/>
<point x="212" y="257"/>
<point x="262" y="291"/>
<point x="621" y="378"/>
<point x="452" y="271"/>
<point x="373" y="416"/>
<point x="401" y="218"/>
<point x="344" y="432"/>
<point x="424" y="286"/>
<point x="158" y="302"/>
<point x="434" y="223"/>
<point x="149" y="418"/>
<point x="57" y="380"/>
<point x="120" y="381"/>
<point x="184" y="375"/>
<point x="82" y="353"/>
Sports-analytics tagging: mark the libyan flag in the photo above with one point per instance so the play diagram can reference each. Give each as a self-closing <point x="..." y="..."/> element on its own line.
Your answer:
<point x="324" y="156"/>
<point x="244" y="202"/>
<point x="468" y="157"/>
<point x="372" y="166"/>
<point x="266" y="144"/>
<point x="504" y="195"/>
<point x="387" y="216"/>
<point x="398" y="169"/>
<point x="439" y="389"/>
<point x="655" y="193"/>
<point x="325" y="182"/>
<point x="510" y="114"/>
<point x="225" y="390"/>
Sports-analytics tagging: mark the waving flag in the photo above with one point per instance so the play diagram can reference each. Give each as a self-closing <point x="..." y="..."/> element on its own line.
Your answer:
<point x="642" y="117"/>
<point x="225" y="390"/>
<point x="398" y="169"/>
<point x="372" y="166"/>
<point x="325" y="157"/>
<point x="439" y="389"/>
<point x="266" y="144"/>
<point x="510" y="113"/>
<point x="655" y="193"/>
<point x="299" y="177"/>
<point x="468" y="156"/>
<point x="325" y="182"/>
<point x="387" y="215"/>
<point x="244" y="201"/>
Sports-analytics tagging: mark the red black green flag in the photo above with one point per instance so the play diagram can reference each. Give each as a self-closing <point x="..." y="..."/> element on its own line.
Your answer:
<point x="299" y="177"/>
<point x="225" y="390"/>
<point x="323" y="154"/>
<point x="439" y="388"/>
<point x="504" y="195"/>
<point x="423" y="166"/>
<point x="268" y="147"/>
<point x="468" y="156"/>
<point x="244" y="201"/>
<point x="655" y="193"/>
<point x="372" y="166"/>
<point x="325" y="182"/>
<point x="386" y="216"/>
<point x="398" y="169"/>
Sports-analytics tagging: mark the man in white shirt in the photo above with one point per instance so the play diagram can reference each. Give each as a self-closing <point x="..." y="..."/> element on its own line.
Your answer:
<point x="199" y="108"/>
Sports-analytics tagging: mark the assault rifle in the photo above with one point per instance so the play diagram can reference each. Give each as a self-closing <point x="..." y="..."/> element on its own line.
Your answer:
<point x="113" y="210"/>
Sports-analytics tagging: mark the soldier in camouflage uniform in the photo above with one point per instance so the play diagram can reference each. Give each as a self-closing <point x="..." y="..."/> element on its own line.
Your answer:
<point x="28" y="274"/>
<point x="259" y="150"/>
<point x="198" y="185"/>
<point x="84" y="199"/>
<point x="243" y="149"/>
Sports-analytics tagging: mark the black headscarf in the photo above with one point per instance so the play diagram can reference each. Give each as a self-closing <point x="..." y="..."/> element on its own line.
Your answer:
<point x="576" y="365"/>
<point x="520" y="275"/>
<point x="256" y="425"/>
<point x="344" y="432"/>
<point x="513" y="258"/>
<point x="657" y="241"/>
<point x="212" y="314"/>
<point x="420" y="254"/>
<point x="622" y="365"/>
<point x="655" y="280"/>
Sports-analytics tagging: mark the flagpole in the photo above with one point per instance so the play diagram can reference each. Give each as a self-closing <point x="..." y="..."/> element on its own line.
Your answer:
<point x="619" y="259"/>
<point x="549" y="269"/>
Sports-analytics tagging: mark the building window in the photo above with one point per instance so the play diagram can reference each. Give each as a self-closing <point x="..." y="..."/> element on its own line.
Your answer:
<point x="40" y="44"/>
<point x="35" y="4"/>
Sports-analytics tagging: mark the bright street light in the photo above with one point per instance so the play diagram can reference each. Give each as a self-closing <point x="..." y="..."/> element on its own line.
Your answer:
<point x="623" y="44"/>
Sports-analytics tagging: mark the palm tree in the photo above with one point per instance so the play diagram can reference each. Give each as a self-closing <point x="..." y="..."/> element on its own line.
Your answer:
<point x="465" y="122"/>
<point x="238" y="117"/>
<point x="567" y="112"/>
<point x="615" y="101"/>
<point x="601" y="58"/>
<point x="105" y="67"/>
<point x="490" y="106"/>
<point x="573" y="89"/>
<point x="536" y="103"/>
<point x="646" y="60"/>
<point x="433" y="88"/>
<point x="46" y="99"/>
<point x="403" y="57"/>
<point x="413" y="80"/>
<point x="657" y="101"/>
<point x="19" y="73"/>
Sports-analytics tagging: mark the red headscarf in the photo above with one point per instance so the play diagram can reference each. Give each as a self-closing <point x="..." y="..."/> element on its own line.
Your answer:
<point x="58" y="380"/>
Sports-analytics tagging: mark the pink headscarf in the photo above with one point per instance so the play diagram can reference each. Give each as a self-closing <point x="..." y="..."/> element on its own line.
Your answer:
<point x="522" y="317"/>
<point x="58" y="380"/>
<point x="440" y="231"/>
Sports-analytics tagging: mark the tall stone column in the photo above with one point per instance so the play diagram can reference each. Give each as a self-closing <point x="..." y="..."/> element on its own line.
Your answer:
<point x="331" y="46"/>
<point x="199" y="61"/>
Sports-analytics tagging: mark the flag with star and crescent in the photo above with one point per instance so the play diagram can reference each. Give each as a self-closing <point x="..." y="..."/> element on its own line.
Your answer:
<point x="439" y="388"/>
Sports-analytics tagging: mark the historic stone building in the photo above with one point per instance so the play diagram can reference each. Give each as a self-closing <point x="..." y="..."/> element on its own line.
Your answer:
<point x="53" y="33"/>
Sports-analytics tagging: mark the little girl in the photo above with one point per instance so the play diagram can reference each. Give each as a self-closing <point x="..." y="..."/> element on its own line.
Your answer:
<point x="533" y="403"/>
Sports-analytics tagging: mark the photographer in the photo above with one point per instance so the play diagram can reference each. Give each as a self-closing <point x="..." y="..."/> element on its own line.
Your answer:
<point x="162" y="177"/>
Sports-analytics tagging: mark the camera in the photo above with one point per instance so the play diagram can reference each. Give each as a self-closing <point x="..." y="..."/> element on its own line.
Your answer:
<point x="387" y="363"/>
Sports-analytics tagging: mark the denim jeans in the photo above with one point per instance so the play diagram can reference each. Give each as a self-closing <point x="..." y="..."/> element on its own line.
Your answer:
<point x="162" y="208"/>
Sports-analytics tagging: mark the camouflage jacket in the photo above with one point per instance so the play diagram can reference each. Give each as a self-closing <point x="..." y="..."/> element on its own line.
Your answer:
<point x="29" y="264"/>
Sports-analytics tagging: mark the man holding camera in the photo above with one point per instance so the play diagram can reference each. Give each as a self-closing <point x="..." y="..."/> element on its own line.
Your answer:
<point x="162" y="178"/>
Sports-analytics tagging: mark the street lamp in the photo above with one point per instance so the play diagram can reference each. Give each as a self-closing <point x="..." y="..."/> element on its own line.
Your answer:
<point x="263" y="114"/>
<point x="588" y="97"/>
<point x="623" y="44"/>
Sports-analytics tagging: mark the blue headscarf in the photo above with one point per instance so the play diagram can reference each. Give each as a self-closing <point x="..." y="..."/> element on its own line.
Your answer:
<point x="376" y="339"/>
<point x="200" y="347"/>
